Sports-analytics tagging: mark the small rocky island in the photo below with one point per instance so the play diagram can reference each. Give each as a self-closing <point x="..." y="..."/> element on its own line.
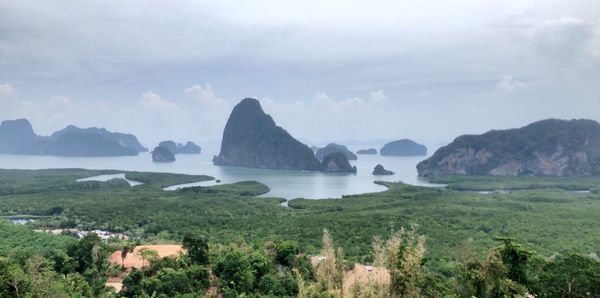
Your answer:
<point x="331" y="148"/>
<point x="162" y="154"/>
<point x="379" y="170"/>
<point x="337" y="162"/>
<point x="550" y="147"/>
<point x="178" y="148"/>
<point x="252" y="139"/>
<point x="404" y="147"/>
<point x="370" y="151"/>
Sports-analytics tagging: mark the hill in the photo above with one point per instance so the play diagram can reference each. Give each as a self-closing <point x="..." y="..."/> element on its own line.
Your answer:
<point x="545" y="148"/>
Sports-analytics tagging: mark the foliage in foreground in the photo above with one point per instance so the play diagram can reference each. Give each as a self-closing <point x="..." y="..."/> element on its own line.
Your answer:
<point x="282" y="270"/>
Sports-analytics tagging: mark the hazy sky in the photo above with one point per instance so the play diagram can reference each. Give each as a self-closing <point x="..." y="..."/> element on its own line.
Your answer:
<point x="325" y="70"/>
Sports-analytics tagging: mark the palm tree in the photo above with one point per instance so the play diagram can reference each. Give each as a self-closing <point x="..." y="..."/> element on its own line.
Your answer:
<point x="127" y="248"/>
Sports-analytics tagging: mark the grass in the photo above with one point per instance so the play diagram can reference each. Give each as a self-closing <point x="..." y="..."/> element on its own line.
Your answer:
<point x="491" y="183"/>
<point x="162" y="180"/>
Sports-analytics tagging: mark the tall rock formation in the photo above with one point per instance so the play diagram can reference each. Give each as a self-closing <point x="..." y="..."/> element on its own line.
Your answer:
<point x="379" y="170"/>
<point x="14" y="134"/>
<point x="252" y="139"/>
<point x="337" y="162"/>
<point x="162" y="154"/>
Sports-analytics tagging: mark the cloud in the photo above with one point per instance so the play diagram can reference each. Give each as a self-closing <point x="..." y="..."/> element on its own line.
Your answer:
<point x="567" y="41"/>
<point x="425" y="57"/>
<point x="155" y="102"/>
<point x="326" y="118"/>
<point x="51" y="114"/>
<point x="508" y="85"/>
<point x="592" y="46"/>
<point x="207" y="104"/>
<point x="206" y="98"/>
<point x="378" y="96"/>
<point x="6" y="89"/>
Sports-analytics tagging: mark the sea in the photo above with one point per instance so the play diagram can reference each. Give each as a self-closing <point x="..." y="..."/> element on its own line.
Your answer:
<point x="284" y="184"/>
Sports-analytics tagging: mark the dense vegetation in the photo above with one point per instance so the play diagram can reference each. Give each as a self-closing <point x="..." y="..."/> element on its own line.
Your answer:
<point x="495" y="183"/>
<point x="23" y="243"/>
<point x="281" y="269"/>
<point x="542" y="214"/>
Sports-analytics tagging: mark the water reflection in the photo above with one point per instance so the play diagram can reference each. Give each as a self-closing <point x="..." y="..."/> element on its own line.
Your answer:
<point x="286" y="184"/>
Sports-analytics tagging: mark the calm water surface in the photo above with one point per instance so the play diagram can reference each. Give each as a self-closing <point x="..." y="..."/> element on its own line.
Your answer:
<point x="286" y="184"/>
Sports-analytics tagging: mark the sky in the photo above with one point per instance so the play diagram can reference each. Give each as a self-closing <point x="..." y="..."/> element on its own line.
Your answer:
<point x="338" y="70"/>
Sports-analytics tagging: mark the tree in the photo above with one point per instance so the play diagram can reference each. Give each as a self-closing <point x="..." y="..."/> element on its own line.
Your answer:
<point x="91" y="258"/>
<point x="402" y="255"/>
<point x="127" y="248"/>
<point x="235" y="272"/>
<point x="173" y="282"/>
<point x="286" y="252"/>
<point x="501" y="274"/>
<point x="132" y="284"/>
<point x="197" y="247"/>
<point x="516" y="260"/>
<point x="199" y="278"/>
<point x="44" y="282"/>
<point x="147" y="255"/>
<point x="13" y="280"/>
<point x="89" y="252"/>
<point x="328" y="270"/>
<point x="571" y="276"/>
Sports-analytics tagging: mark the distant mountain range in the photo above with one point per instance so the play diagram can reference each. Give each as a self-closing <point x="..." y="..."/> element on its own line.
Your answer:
<point x="18" y="137"/>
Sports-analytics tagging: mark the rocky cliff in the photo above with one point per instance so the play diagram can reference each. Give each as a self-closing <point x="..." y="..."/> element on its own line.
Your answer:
<point x="403" y="147"/>
<point x="331" y="148"/>
<point x="379" y="170"/>
<point x="337" y="162"/>
<point x="189" y="148"/>
<point x="14" y="134"/>
<point x="545" y="148"/>
<point x="162" y="154"/>
<point x="252" y="139"/>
